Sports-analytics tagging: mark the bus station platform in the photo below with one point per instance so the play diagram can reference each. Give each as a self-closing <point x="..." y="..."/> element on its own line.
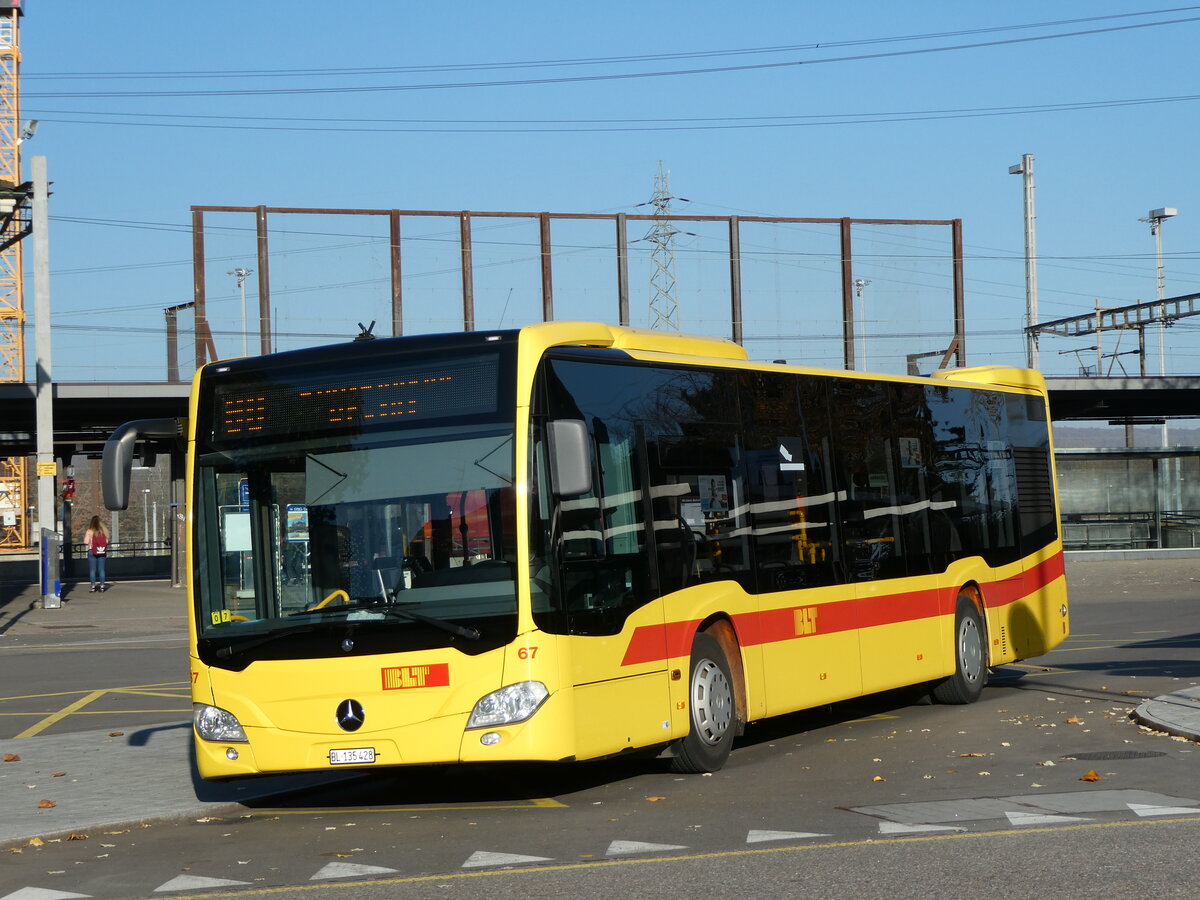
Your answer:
<point x="122" y="775"/>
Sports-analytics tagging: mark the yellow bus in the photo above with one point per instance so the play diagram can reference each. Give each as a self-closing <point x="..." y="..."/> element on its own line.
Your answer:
<point x="574" y="540"/>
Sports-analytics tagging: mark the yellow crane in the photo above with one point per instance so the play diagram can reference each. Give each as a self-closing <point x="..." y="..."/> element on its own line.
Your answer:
<point x="14" y="225"/>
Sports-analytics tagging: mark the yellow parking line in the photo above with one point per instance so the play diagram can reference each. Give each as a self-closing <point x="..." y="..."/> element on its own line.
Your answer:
<point x="61" y="714"/>
<point x="100" y="712"/>
<point x="133" y="687"/>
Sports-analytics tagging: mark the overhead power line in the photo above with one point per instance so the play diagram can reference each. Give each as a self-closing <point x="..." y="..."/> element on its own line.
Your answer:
<point x="613" y="76"/>
<point x="524" y="126"/>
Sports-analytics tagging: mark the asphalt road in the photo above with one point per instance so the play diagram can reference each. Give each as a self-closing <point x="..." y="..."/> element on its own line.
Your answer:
<point x="1043" y="787"/>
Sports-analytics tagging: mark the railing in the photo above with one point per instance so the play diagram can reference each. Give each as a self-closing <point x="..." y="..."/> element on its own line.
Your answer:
<point x="1131" y="530"/>
<point x="126" y="549"/>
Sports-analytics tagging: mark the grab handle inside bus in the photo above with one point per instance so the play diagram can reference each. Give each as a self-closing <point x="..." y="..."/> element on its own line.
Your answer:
<point x="570" y="457"/>
<point x="117" y="462"/>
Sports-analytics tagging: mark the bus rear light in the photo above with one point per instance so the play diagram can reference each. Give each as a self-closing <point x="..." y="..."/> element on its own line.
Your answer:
<point x="216" y="724"/>
<point x="509" y="705"/>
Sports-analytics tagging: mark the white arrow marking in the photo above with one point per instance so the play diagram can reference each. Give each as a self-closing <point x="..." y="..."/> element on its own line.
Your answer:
<point x="484" y="858"/>
<point x="1143" y="809"/>
<point x="619" y="848"/>
<point x="783" y="451"/>
<point x="901" y="828"/>
<point x="33" y="893"/>
<point x="755" y="837"/>
<point x="1024" y="818"/>
<point x="350" y="870"/>
<point x="193" y="882"/>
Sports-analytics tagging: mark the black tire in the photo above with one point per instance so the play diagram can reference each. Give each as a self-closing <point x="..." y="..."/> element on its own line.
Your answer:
<point x="713" y="710"/>
<point x="970" y="667"/>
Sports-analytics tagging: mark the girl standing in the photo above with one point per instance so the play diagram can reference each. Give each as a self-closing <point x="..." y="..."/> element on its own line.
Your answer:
<point x="96" y="539"/>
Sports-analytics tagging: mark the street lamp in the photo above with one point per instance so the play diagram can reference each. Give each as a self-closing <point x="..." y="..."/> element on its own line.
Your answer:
<point x="1025" y="169"/>
<point x="860" y="285"/>
<point x="145" y="515"/>
<point x="1156" y="217"/>
<point x="241" y="283"/>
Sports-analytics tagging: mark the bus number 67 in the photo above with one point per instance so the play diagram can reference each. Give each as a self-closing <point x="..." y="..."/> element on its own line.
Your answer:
<point x="527" y="653"/>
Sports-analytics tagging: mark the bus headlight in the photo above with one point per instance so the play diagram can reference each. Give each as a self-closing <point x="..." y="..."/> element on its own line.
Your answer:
<point x="509" y="705"/>
<point x="216" y="724"/>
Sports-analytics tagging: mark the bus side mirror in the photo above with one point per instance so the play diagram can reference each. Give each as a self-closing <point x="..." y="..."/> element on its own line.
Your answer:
<point x="570" y="457"/>
<point x="117" y="463"/>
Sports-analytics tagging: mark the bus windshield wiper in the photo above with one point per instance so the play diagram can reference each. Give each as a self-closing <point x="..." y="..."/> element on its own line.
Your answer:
<point x="230" y="649"/>
<point x="399" y="609"/>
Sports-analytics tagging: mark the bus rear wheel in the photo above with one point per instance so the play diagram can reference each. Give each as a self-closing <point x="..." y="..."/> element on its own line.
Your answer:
<point x="970" y="669"/>
<point x="713" y="710"/>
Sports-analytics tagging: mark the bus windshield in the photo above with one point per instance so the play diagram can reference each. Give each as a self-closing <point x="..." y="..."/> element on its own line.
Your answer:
<point x="402" y="541"/>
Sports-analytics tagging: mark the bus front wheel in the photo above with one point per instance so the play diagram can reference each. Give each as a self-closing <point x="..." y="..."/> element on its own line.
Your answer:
<point x="713" y="708"/>
<point x="970" y="669"/>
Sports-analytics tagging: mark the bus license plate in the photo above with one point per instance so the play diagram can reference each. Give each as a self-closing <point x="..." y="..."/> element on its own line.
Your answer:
<point x="354" y="756"/>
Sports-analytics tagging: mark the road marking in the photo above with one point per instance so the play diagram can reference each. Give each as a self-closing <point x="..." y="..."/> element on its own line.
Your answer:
<point x="91" y="645"/>
<point x="485" y="858"/>
<point x="874" y="840"/>
<point x="103" y="712"/>
<point x="1144" y="810"/>
<point x="76" y="707"/>
<point x="45" y="723"/>
<point x="902" y="828"/>
<point x="620" y="848"/>
<point x="33" y="893"/>
<point x="350" y="870"/>
<point x="133" y="687"/>
<point x="755" y="837"/>
<point x="195" y="882"/>
<point x="1024" y="818"/>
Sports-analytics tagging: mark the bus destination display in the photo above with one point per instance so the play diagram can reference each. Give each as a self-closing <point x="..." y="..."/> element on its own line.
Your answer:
<point x="286" y="405"/>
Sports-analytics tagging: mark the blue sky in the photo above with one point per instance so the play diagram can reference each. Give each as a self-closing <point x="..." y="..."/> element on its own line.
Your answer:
<point x="845" y="120"/>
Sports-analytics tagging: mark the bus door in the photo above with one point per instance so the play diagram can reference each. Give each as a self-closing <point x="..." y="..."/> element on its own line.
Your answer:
<point x="614" y="619"/>
<point x="808" y="614"/>
<point x="886" y="462"/>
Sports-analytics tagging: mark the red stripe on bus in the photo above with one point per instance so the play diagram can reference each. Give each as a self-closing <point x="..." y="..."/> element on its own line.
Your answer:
<point x="651" y="643"/>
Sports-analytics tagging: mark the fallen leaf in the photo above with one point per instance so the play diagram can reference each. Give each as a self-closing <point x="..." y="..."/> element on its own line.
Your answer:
<point x="116" y="734"/>
<point x="58" y="774"/>
<point x="46" y="804"/>
<point x="76" y="836"/>
<point x="879" y="778"/>
<point x="972" y="754"/>
<point x="14" y="850"/>
<point x="1090" y="775"/>
<point x="11" y="757"/>
<point x="36" y="842"/>
<point x="1071" y="720"/>
<point x="655" y="799"/>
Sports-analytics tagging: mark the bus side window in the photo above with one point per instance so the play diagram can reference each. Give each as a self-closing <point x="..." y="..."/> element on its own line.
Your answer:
<point x="791" y="503"/>
<point x="867" y="452"/>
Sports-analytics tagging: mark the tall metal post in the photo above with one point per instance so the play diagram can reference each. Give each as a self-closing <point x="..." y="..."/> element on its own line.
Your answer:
<point x="735" y="279"/>
<point x="46" y="466"/>
<point x="622" y="270"/>
<point x="1025" y="170"/>
<point x="468" y="281"/>
<point x="847" y="297"/>
<point x="264" y="283"/>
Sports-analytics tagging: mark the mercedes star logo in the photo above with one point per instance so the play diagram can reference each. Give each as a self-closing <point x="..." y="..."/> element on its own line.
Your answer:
<point x="350" y="715"/>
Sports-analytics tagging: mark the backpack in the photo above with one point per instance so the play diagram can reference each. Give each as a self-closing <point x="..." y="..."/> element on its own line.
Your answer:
<point x="99" y="544"/>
